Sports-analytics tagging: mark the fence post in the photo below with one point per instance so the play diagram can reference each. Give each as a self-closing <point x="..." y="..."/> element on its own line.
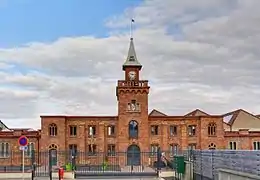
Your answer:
<point x="50" y="164"/>
<point x="33" y="164"/>
<point x="193" y="161"/>
<point x="212" y="161"/>
<point x="201" y="165"/>
<point x="73" y="161"/>
<point x="74" y="167"/>
<point x="159" y="155"/>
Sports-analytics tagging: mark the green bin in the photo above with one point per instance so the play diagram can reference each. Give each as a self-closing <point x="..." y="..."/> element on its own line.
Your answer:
<point x="179" y="164"/>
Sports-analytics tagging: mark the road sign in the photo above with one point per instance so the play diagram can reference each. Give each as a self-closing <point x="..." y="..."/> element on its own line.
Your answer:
<point x="23" y="141"/>
<point x="23" y="148"/>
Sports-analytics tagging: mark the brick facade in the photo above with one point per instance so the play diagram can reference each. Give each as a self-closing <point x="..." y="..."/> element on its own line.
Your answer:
<point x="111" y="133"/>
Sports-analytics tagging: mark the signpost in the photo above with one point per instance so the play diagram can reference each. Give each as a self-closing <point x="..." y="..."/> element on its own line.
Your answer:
<point x="23" y="142"/>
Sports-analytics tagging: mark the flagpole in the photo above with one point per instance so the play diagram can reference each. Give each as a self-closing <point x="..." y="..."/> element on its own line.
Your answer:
<point x="131" y="29"/>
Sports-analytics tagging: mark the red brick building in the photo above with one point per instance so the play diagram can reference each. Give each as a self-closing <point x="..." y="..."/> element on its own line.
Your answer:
<point x="134" y="128"/>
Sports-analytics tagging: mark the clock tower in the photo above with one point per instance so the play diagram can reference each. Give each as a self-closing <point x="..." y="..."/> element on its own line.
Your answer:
<point x="132" y="95"/>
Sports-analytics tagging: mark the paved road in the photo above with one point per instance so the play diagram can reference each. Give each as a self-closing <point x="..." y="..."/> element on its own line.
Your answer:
<point x="94" y="179"/>
<point x="117" y="178"/>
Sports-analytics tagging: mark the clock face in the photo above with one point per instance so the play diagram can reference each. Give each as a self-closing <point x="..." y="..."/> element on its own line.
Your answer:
<point x="132" y="75"/>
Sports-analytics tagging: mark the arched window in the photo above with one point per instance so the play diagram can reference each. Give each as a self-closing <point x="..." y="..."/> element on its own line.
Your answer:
<point x="133" y="129"/>
<point x="53" y="130"/>
<point x="212" y="146"/>
<point x="212" y="129"/>
<point x="53" y="154"/>
<point x="53" y="147"/>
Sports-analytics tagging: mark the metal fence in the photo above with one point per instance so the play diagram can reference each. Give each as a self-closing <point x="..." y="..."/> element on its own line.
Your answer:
<point x="83" y="163"/>
<point x="13" y="162"/>
<point x="207" y="162"/>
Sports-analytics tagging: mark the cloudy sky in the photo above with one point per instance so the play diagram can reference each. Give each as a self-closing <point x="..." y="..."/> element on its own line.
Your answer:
<point x="65" y="57"/>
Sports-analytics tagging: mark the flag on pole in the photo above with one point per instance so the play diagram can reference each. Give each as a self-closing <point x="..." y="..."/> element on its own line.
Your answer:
<point x="131" y="33"/>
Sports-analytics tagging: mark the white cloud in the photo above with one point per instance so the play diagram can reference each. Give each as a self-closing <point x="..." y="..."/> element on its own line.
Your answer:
<point x="201" y="54"/>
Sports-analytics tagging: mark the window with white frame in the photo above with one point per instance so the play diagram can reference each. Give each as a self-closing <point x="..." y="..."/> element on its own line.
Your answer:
<point x="73" y="149"/>
<point x="111" y="149"/>
<point x="92" y="130"/>
<point x="73" y="130"/>
<point x="173" y="130"/>
<point x="53" y="129"/>
<point x="192" y="130"/>
<point x="212" y="128"/>
<point x="173" y="149"/>
<point x="111" y="130"/>
<point x="233" y="145"/>
<point x="4" y="150"/>
<point x="256" y="145"/>
<point x="154" y="149"/>
<point x="30" y="149"/>
<point x="191" y="147"/>
<point x="154" y="130"/>
<point x="133" y="106"/>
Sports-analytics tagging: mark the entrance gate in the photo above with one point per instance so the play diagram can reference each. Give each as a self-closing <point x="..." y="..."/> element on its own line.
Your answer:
<point x="130" y="163"/>
<point x="133" y="156"/>
<point x="53" y="157"/>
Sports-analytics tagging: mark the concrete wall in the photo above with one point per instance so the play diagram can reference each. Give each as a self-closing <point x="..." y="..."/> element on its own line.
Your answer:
<point x="225" y="174"/>
<point x="207" y="163"/>
<point x="188" y="170"/>
<point x="187" y="176"/>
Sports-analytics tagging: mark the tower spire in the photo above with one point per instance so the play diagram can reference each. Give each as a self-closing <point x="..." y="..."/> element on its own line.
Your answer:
<point x="131" y="59"/>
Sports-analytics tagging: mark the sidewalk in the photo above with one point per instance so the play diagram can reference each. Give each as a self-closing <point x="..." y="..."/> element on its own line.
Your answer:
<point x="45" y="178"/>
<point x="36" y="178"/>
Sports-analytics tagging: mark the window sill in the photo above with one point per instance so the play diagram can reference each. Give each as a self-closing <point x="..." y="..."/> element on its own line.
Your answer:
<point x="212" y="135"/>
<point x="92" y="155"/>
<point x="111" y="136"/>
<point x="73" y="136"/>
<point x="153" y="155"/>
<point x="27" y="156"/>
<point x="5" y="157"/>
<point x="137" y="111"/>
<point x="133" y="138"/>
<point x="111" y="155"/>
<point x="173" y="135"/>
<point x="192" y="135"/>
<point x="90" y="136"/>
